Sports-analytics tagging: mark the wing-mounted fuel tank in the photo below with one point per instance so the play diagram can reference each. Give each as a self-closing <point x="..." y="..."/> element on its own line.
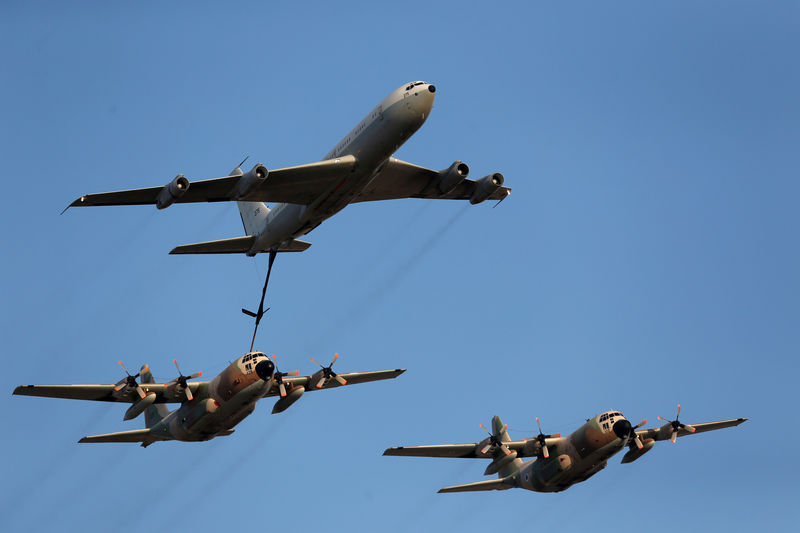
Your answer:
<point x="172" y="191"/>
<point x="450" y="178"/>
<point x="249" y="181"/>
<point x="634" y="452"/>
<point x="485" y="187"/>
<point x="291" y="397"/>
<point x="139" y="406"/>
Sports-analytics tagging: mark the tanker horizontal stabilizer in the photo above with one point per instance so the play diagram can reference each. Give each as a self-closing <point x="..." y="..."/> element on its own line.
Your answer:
<point x="492" y="484"/>
<point x="236" y="245"/>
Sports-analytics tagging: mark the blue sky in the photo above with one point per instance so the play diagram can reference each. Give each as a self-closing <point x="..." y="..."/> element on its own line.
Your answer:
<point x="647" y="256"/>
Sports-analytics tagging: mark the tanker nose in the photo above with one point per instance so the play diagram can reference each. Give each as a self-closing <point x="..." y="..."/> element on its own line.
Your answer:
<point x="265" y="368"/>
<point x="622" y="428"/>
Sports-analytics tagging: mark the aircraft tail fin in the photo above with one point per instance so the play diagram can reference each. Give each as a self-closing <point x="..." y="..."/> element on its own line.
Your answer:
<point x="504" y="465"/>
<point x="253" y="215"/>
<point x="153" y="414"/>
<point x="236" y="245"/>
<point x="502" y="483"/>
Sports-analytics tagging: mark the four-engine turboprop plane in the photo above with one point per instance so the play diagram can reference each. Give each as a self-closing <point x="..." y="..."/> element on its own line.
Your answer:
<point x="560" y="461"/>
<point x="358" y="169"/>
<point x="208" y="408"/>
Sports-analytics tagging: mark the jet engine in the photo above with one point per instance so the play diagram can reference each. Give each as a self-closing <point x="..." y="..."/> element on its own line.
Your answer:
<point x="249" y="181"/>
<point x="172" y="191"/>
<point x="449" y="179"/>
<point x="485" y="187"/>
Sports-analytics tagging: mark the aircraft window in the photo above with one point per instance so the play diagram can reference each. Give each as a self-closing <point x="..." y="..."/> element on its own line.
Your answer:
<point x="604" y="417"/>
<point x="419" y="83"/>
<point x="605" y="426"/>
<point x="411" y="86"/>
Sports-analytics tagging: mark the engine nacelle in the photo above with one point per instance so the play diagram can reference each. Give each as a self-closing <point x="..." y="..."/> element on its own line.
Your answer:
<point x="137" y="408"/>
<point x="249" y="181"/>
<point x="635" y="453"/>
<point x="172" y="191"/>
<point x="485" y="187"/>
<point x="449" y="179"/>
<point x="284" y="403"/>
<point x="198" y="411"/>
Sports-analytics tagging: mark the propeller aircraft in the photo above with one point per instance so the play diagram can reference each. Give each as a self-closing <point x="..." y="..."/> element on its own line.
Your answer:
<point x="207" y="409"/>
<point x="358" y="169"/>
<point x="559" y="462"/>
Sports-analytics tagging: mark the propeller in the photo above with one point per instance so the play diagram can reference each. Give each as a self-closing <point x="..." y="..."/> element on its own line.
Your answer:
<point x="328" y="373"/>
<point x="181" y="380"/>
<point x="129" y="382"/>
<point x="541" y="437"/>
<point x="260" y="313"/>
<point x="494" y="440"/>
<point x="623" y="429"/>
<point x="279" y="377"/>
<point x="676" y="425"/>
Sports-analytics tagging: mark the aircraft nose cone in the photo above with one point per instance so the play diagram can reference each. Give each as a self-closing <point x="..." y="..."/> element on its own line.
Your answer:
<point x="622" y="428"/>
<point x="265" y="369"/>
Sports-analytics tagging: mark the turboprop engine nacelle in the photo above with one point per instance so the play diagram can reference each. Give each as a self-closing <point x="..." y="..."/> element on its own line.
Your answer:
<point x="172" y="191"/>
<point x="284" y="403"/>
<point x="249" y="181"/>
<point x="635" y="453"/>
<point x="449" y="179"/>
<point x="485" y="187"/>
<point x="137" y="408"/>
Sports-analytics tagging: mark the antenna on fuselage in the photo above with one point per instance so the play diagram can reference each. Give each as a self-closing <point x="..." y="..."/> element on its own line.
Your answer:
<point x="260" y="313"/>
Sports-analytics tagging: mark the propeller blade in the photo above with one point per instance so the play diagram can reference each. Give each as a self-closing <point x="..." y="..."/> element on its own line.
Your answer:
<point x="196" y="375"/>
<point x="340" y="379"/>
<point x="674" y="435"/>
<point x="321" y="382"/>
<point x="189" y="396"/>
<point x="293" y="373"/>
<point x="282" y="389"/>
<point x="140" y="391"/>
<point x="505" y="449"/>
<point x="689" y="428"/>
<point x="545" y="451"/>
<point x="335" y="357"/>
<point x="539" y="424"/>
<point x="486" y="448"/>
<point x="679" y="412"/>
<point x="483" y="428"/>
<point x="314" y="361"/>
<point x="664" y="419"/>
<point x="638" y="442"/>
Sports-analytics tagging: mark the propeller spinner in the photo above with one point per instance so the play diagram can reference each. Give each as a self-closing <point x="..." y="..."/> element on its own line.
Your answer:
<point x="677" y="425"/>
<point x="494" y="441"/>
<point x="328" y="373"/>
<point x="129" y="382"/>
<point x="279" y="377"/>
<point x="181" y="381"/>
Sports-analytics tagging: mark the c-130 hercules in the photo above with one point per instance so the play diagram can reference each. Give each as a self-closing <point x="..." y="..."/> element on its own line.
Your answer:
<point x="560" y="461"/>
<point x="358" y="169"/>
<point x="207" y="409"/>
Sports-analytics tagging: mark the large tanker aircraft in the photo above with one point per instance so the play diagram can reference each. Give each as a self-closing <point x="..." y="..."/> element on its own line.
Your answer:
<point x="358" y="169"/>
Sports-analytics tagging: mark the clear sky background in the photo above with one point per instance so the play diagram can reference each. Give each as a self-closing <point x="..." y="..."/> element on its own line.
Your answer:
<point x="647" y="256"/>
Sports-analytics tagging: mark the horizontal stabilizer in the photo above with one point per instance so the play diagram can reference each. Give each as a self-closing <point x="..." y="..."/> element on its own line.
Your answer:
<point x="236" y="245"/>
<point x="135" y="435"/>
<point x="493" y="484"/>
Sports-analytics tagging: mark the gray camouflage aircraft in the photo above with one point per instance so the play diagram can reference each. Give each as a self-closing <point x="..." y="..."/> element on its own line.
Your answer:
<point x="358" y="169"/>
<point x="560" y="461"/>
<point x="208" y="408"/>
